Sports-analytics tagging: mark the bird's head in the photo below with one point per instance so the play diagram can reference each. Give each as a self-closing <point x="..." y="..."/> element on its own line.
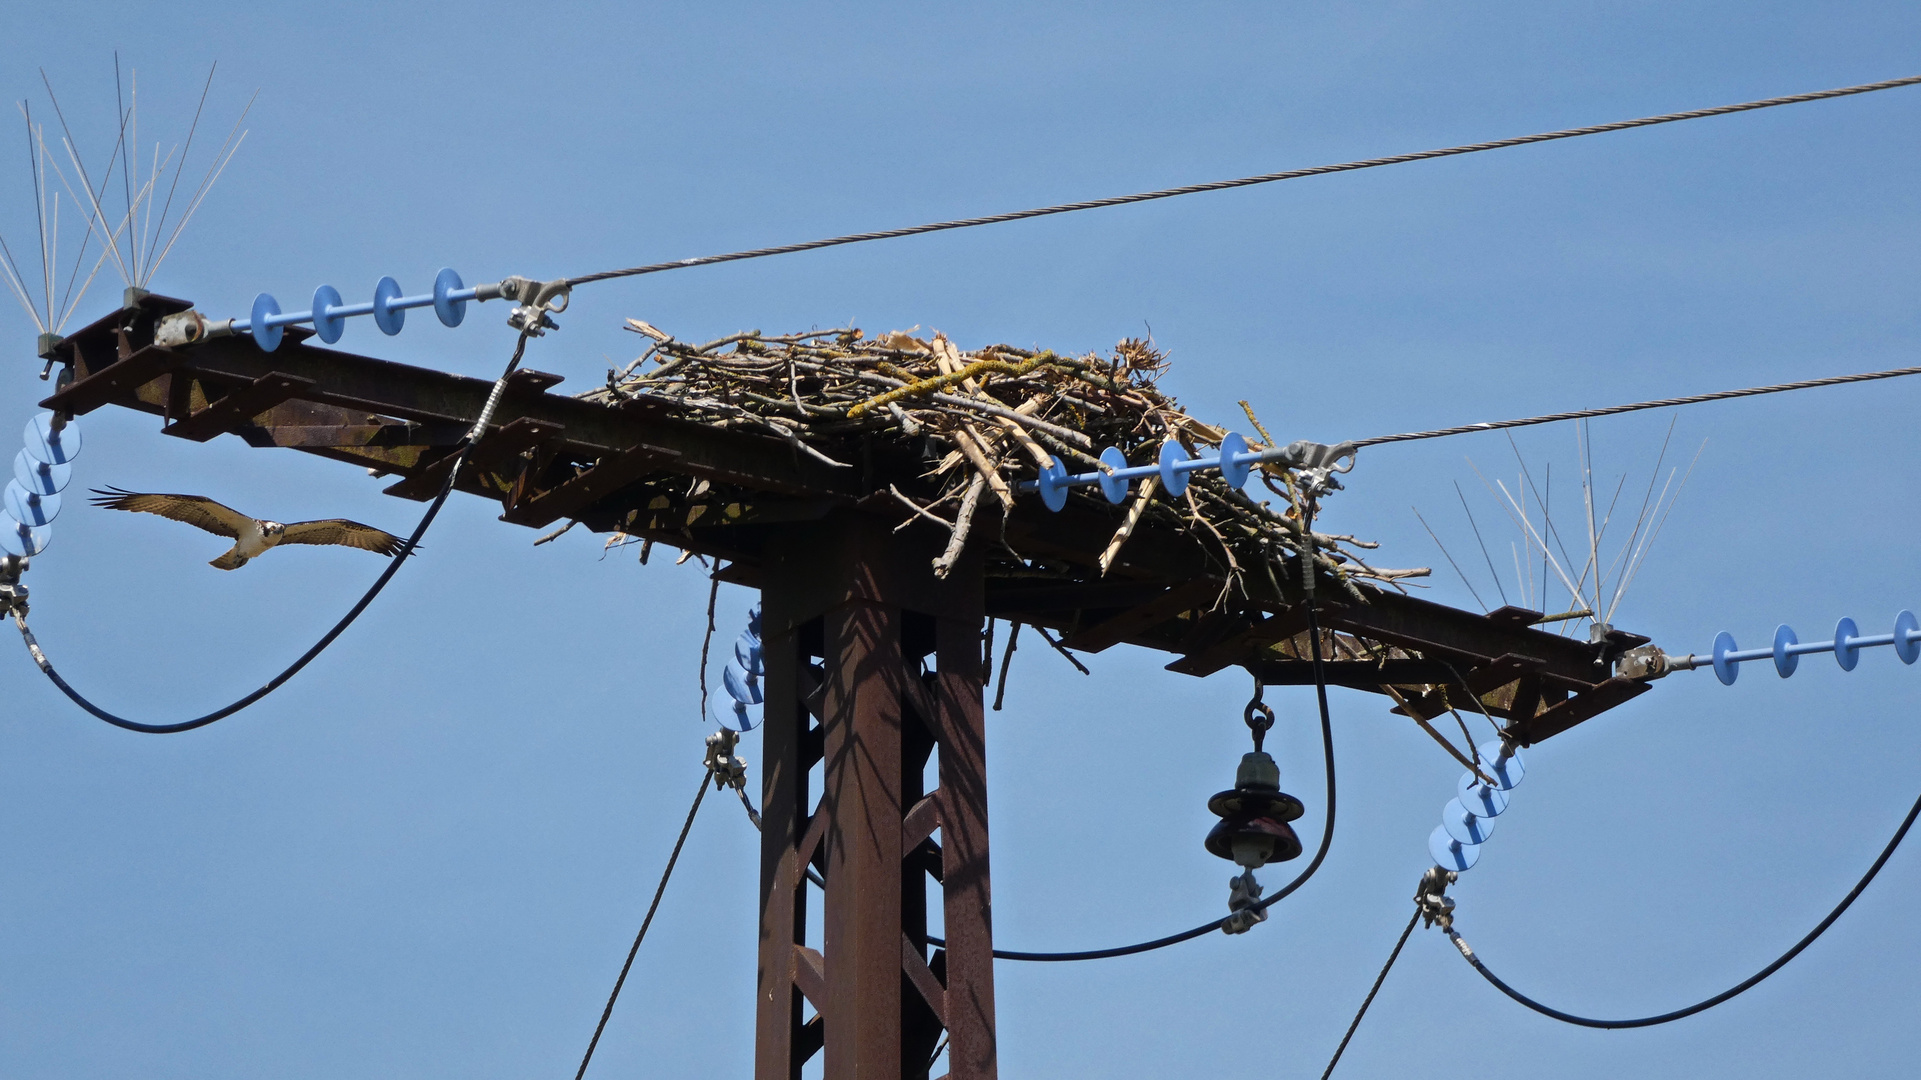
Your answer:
<point x="272" y="528"/>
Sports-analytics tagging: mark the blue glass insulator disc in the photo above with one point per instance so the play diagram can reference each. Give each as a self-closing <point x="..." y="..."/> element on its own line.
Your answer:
<point x="1449" y="853"/>
<point x="1502" y="764"/>
<point x="1174" y="482"/>
<point x="449" y="310"/>
<point x="327" y="327"/>
<point x="747" y="653"/>
<point x="1906" y="646"/>
<point x="1114" y="489"/>
<point x="23" y="540"/>
<point x="1725" y="670"/>
<point x="39" y="476"/>
<point x="1483" y="799"/>
<point x="386" y="316"/>
<point x="1846" y="653"/>
<point x="1053" y="484"/>
<point x="740" y="686"/>
<point x="267" y="337"/>
<point x="1465" y="826"/>
<point x="30" y="507"/>
<point x="1784" y="661"/>
<point x="55" y="446"/>
<point x="1235" y="474"/>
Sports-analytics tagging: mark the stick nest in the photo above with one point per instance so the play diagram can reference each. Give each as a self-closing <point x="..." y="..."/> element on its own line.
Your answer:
<point x="986" y="419"/>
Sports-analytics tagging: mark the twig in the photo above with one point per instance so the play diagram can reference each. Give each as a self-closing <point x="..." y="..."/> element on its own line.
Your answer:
<point x="1007" y="661"/>
<point x="968" y="441"/>
<point x="713" y="594"/>
<point x="557" y="533"/>
<point x="1134" y="512"/>
<point x="1062" y="649"/>
<point x="918" y="509"/>
<point x="963" y="522"/>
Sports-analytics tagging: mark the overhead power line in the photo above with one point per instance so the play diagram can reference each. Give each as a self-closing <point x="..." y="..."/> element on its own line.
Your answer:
<point x="1733" y="991"/>
<point x="1369" y="999"/>
<point x="659" y="891"/>
<point x="1662" y="403"/>
<point x="1245" y="181"/>
<point x="1282" y="893"/>
<point x="412" y="542"/>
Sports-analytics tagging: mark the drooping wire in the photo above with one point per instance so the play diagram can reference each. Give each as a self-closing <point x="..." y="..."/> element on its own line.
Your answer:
<point x="327" y="639"/>
<point x="659" y="891"/>
<point x="1733" y="991"/>
<point x="1245" y="181"/>
<point x="1662" y="403"/>
<point x="1369" y="999"/>
<point x="1327" y="841"/>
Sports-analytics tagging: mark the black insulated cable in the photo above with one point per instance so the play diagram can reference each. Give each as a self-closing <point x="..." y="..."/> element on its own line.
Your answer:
<point x="327" y="639"/>
<point x="1733" y="991"/>
<point x="1369" y="999"/>
<point x="1660" y="403"/>
<point x="1327" y="841"/>
<point x="1245" y="181"/>
<point x="659" y="891"/>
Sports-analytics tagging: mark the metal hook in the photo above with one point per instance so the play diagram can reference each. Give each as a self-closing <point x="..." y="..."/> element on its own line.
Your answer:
<point x="1258" y="715"/>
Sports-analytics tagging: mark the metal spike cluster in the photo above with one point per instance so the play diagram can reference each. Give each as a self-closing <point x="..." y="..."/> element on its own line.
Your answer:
<point x="1787" y="650"/>
<point x="40" y="472"/>
<point x="1235" y="463"/>
<point x="1467" y="820"/>
<point x="741" y="679"/>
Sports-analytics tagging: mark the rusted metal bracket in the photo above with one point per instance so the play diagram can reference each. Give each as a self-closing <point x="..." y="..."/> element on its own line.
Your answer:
<point x="89" y="392"/>
<point x="605" y="478"/>
<point x="1169" y="604"/>
<point x="1583" y="706"/>
<point x="499" y="446"/>
<point x="240" y="406"/>
<point x="1242" y="647"/>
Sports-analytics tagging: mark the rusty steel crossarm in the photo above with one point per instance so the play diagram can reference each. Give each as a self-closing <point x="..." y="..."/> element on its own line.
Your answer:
<point x="644" y="469"/>
<point x="116" y="365"/>
<point x="1441" y="632"/>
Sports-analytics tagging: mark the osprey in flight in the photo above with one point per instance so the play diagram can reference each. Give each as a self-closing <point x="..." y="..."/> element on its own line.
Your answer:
<point x="251" y="537"/>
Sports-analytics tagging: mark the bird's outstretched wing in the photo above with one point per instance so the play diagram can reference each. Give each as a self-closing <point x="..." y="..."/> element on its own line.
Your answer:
<point x="344" y="533"/>
<point x="196" y="510"/>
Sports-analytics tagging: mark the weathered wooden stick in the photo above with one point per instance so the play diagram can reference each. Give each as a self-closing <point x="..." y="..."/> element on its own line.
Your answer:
<point x="969" y="442"/>
<point x="963" y="523"/>
<point x="1141" y="498"/>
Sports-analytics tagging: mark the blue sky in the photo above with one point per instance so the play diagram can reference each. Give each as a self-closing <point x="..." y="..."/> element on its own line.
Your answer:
<point x="426" y="856"/>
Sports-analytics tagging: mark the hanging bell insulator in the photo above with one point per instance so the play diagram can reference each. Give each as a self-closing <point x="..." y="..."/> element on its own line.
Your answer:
<point x="1254" y="828"/>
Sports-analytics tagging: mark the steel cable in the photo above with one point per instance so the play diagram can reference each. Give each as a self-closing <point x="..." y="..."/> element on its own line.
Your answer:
<point x="327" y="639"/>
<point x="1245" y="181"/>
<point x="1327" y="841"/>
<point x="1369" y="999"/>
<point x="659" y="891"/>
<point x="1699" y="1006"/>
<point x="1663" y="403"/>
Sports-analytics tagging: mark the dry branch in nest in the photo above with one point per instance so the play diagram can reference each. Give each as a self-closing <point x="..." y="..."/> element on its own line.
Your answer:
<point x="983" y="421"/>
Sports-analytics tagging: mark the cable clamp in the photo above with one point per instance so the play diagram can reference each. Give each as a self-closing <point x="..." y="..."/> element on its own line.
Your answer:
<point x="1437" y="908"/>
<point x="1646" y="663"/>
<point x="1243" y="893"/>
<point x="535" y="299"/>
<point x="13" y="595"/>
<point x="1316" y="463"/>
<point x="728" y="768"/>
